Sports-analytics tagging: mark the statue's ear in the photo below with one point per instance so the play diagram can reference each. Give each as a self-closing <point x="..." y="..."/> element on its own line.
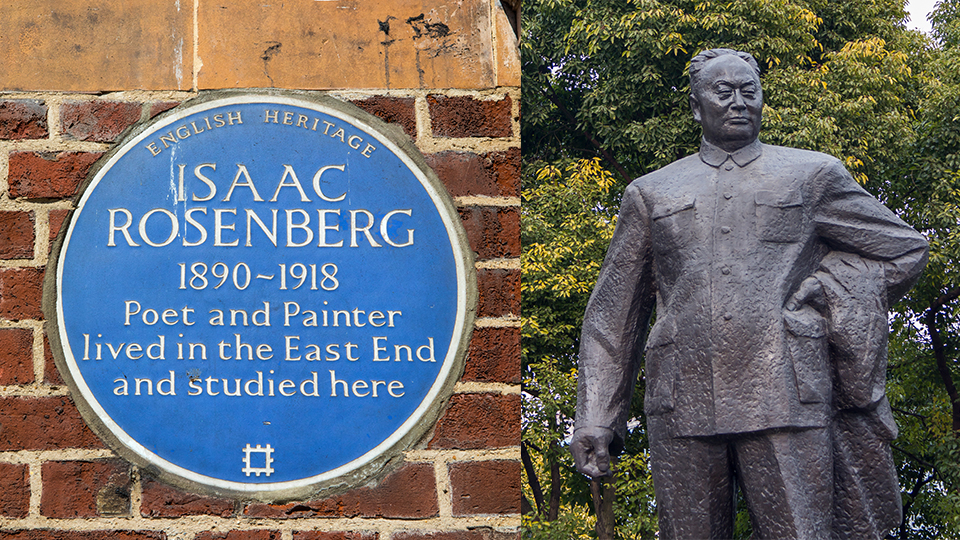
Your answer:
<point x="695" y="107"/>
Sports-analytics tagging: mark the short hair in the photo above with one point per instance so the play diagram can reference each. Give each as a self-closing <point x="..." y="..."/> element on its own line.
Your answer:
<point x="700" y="60"/>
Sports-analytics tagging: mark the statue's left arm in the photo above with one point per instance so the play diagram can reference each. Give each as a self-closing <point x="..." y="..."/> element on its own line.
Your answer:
<point x="850" y="220"/>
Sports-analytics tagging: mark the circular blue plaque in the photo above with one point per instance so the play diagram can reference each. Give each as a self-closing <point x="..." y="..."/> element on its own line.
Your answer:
<point x="263" y="295"/>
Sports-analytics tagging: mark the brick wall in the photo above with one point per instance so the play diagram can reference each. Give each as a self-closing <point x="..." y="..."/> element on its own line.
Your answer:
<point x="76" y="74"/>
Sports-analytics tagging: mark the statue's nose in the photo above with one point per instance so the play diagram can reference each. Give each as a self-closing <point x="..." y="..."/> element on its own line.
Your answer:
<point x="738" y="101"/>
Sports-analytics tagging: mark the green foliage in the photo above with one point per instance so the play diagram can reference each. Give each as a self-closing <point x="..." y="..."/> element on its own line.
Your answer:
<point x="605" y="89"/>
<point x="576" y="524"/>
<point x="566" y="226"/>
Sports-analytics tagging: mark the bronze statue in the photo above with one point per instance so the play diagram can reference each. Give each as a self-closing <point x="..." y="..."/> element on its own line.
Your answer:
<point x="771" y="270"/>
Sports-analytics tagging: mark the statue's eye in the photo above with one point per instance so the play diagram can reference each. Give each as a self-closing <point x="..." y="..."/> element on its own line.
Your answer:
<point x="725" y="94"/>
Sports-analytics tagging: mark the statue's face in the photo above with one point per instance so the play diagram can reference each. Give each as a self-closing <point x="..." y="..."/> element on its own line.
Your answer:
<point x="728" y="103"/>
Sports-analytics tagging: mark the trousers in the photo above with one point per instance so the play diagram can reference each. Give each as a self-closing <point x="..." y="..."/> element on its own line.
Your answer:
<point x="786" y="476"/>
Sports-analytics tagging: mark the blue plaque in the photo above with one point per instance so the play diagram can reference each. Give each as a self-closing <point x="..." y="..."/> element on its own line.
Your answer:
<point x="262" y="295"/>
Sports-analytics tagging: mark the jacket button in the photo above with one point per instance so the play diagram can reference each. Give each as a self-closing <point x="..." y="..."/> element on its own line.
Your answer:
<point x="727" y="316"/>
<point x="724" y="229"/>
<point x="728" y="195"/>
<point x="725" y="271"/>
<point x="728" y="167"/>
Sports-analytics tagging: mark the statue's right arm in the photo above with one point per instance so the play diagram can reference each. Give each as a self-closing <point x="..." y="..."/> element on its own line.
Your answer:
<point x="614" y="326"/>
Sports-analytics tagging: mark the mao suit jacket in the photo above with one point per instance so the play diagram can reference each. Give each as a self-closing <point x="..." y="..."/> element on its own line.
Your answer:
<point x="718" y="243"/>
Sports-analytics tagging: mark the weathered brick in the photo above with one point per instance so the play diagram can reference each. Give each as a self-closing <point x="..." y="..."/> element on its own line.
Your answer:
<point x="475" y="534"/>
<point x="16" y="356"/>
<point x="409" y="492"/>
<point x="493" y="232"/>
<point x="494" y="174"/>
<point x="45" y="423"/>
<point x="16" y="235"/>
<point x="162" y="106"/>
<point x="14" y="490"/>
<point x="38" y="175"/>
<point x="474" y="421"/>
<point x="20" y="292"/>
<point x="508" y="48"/>
<point x="260" y="534"/>
<point x="98" y="121"/>
<point x="499" y="292"/>
<point x="394" y="110"/>
<point x="56" y="219"/>
<point x="23" y="119"/>
<point x="319" y="45"/>
<point x="485" y="487"/>
<point x="90" y="47"/>
<point x="336" y="535"/>
<point x="465" y="116"/>
<point x="51" y="375"/>
<point x="81" y="489"/>
<point x="163" y="501"/>
<point x="112" y="534"/>
<point x="494" y="356"/>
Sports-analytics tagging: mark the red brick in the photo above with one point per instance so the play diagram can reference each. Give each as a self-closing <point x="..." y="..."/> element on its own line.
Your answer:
<point x="161" y="500"/>
<point x="493" y="233"/>
<point x="112" y="534"/>
<point x="51" y="375"/>
<point x="494" y="174"/>
<point x="20" y="293"/>
<point x="499" y="292"/>
<point x="476" y="534"/>
<point x="393" y="110"/>
<point x="23" y="119"/>
<point x="56" y="219"/>
<point x="340" y="535"/>
<point x="41" y="175"/>
<point x="98" y="121"/>
<point x="16" y="235"/>
<point x="161" y="107"/>
<point x="16" y="356"/>
<point x="464" y="116"/>
<point x="81" y="489"/>
<point x="485" y="487"/>
<point x="46" y="423"/>
<point x="474" y="421"/>
<point x="494" y="356"/>
<point x="14" y="490"/>
<point x="407" y="493"/>
<point x="260" y="534"/>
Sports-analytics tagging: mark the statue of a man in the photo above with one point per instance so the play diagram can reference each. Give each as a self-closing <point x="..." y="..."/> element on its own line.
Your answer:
<point x="771" y="271"/>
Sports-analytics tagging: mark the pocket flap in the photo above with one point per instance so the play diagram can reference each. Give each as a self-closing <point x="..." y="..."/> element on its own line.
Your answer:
<point x="780" y="199"/>
<point x="663" y="333"/>
<point x="805" y="322"/>
<point x="668" y="207"/>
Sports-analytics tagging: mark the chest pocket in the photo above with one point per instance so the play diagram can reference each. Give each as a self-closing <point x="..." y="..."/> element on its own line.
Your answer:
<point x="673" y="221"/>
<point x="779" y="216"/>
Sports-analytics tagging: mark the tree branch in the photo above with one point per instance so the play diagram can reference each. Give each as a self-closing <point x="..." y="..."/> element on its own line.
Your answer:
<point x="915" y="458"/>
<point x="532" y="477"/>
<point x="913" y="495"/>
<point x="939" y="353"/>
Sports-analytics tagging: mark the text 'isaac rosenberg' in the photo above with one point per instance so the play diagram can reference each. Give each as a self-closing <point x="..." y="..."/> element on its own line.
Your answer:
<point x="228" y="227"/>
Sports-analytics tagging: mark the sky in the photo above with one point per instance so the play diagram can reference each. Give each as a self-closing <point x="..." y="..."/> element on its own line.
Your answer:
<point x="918" y="10"/>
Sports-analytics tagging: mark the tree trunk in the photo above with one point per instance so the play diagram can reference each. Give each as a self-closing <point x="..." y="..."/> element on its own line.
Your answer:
<point x="603" y="493"/>
<point x="554" y="484"/>
<point x="532" y="478"/>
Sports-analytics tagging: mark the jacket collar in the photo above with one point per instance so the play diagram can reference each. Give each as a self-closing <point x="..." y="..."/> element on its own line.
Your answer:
<point x="715" y="156"/>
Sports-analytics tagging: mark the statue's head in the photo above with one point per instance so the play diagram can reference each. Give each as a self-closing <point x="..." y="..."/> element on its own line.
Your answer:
<point x="726" y="98"/>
